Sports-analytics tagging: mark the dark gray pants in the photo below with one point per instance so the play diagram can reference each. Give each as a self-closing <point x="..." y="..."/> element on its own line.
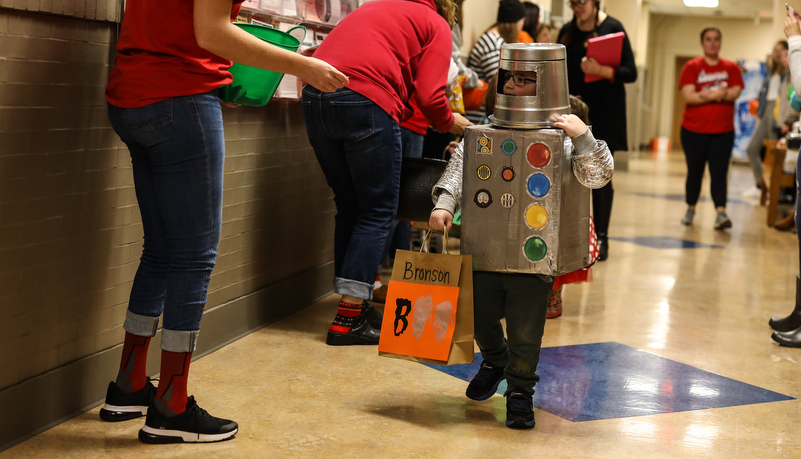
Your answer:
<point x="523" y="300"/>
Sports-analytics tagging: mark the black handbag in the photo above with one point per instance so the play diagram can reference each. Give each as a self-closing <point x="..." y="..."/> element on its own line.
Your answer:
<point x="418" y="177"/>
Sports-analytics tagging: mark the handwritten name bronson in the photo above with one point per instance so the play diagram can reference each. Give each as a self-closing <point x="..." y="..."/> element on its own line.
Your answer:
<point x="428" y="275"/>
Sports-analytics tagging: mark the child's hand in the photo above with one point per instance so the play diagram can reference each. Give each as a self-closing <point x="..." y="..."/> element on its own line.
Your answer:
<point x="449" y="149"/>
<point x="791" y="26"/>
<point x="572" y="125"/>
<point x="440" y="220"/>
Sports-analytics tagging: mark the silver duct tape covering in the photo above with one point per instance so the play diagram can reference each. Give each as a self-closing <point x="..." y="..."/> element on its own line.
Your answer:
<point x="547" y="61"/>
<point x="523" y="209"/>
<point x="594" y="169"/>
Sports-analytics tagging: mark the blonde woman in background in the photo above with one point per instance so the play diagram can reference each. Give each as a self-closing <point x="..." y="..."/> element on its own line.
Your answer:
<point x="767" y="127"/>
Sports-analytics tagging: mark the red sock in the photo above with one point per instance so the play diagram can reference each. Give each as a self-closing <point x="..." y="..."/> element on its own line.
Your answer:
<point x="346" y="318"/>
<point x="132" y="376"/>
<point x="171" y="394"/>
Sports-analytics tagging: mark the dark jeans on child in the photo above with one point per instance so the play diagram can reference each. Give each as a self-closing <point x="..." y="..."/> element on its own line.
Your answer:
<point x="523" y="300"/>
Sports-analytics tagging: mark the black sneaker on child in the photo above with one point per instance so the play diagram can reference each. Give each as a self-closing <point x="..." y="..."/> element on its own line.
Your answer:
<point x="519" y="410"/>
<point x="485" y="382"/>
<point x="372" y="315"/>
<point x="120" y="406"/>
<point x="195" y="425"/>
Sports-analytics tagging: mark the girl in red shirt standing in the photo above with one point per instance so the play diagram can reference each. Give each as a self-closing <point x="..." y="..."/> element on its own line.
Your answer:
<point x="162" y="102"/>
<point x="710" y="85"/>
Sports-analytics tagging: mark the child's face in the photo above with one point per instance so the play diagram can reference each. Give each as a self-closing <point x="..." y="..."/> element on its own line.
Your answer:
<point x="520" y="83"/>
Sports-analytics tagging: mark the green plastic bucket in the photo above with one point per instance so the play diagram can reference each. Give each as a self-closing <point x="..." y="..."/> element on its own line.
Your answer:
<point x="252" y="85"/>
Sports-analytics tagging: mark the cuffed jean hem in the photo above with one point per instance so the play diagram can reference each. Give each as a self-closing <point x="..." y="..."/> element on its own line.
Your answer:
<point x="140" y="325"/>
<point x="179" y="340"/>
<point x="353" y="288"/>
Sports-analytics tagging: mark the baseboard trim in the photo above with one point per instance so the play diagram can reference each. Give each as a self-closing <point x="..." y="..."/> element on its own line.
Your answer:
<point x="44" y="401"/>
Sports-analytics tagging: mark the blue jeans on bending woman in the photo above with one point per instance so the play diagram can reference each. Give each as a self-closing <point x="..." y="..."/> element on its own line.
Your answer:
<point x="358" y="146"/>
<point x="177" y="151"/>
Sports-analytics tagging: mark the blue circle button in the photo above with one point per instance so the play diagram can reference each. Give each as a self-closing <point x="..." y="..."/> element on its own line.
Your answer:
<point x="538" y="185"/>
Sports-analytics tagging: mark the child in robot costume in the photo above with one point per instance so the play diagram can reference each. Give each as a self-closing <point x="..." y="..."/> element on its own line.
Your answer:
<point x="521" y="298"/>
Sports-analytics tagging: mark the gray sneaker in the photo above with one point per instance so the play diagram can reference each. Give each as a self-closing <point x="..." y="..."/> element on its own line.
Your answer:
<point x="722" y="221"/>
<point x="687" y="219"/>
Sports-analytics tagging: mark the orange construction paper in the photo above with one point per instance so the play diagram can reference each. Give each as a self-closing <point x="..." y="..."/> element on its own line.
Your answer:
<point x="419" y="320"/>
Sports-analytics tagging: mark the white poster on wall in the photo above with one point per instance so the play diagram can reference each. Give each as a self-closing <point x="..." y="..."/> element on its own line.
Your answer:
<point x="744" y="119"/>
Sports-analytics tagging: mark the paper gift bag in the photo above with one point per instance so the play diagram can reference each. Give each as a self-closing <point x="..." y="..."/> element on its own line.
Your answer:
<point x="428" y="314"/>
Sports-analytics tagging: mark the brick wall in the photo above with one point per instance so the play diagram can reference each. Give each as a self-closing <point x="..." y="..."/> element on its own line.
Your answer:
<point x="101" y="10"/>
<point x="70" y="231"/>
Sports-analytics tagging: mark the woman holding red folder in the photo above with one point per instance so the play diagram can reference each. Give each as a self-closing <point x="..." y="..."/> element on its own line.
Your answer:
<point x="606" y="98"/>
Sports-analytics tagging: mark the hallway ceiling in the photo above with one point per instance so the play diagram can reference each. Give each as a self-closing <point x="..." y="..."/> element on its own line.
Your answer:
<point x="753" y="9"/>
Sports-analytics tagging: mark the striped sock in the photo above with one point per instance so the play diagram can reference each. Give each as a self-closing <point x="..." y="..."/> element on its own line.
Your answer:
<point x="347" y="317"/>
<point x="132" y="376"/>
<point x="171" y="395"/>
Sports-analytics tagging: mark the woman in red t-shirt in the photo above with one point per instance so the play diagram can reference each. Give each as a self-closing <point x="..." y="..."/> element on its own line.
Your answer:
<point x="710" y="85"/>
<point x="162" y="101"/>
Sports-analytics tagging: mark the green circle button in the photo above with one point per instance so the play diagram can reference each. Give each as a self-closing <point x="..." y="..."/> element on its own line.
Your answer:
<point x="535" y="248"/>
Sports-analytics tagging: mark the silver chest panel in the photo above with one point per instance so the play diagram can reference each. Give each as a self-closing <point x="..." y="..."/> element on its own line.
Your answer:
<point x="523" y="210"/>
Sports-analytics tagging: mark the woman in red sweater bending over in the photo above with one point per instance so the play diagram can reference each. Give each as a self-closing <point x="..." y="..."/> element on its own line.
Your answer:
<point x="389" y="49"/>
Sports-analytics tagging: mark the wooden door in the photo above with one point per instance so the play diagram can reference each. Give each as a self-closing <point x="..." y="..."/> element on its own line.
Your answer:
<point x="678" y="105"/>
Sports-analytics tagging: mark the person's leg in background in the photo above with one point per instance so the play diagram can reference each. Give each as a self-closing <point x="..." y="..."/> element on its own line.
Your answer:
<point x="601" y="213"/>
<point x="788" y="329"/>
<point x="720" y="146"/>
<point x="358" y="146"/>
<point x="695" y="154"/>
<point x="400" y="234"/>
<point x="177" y="148"/>
<point x="762" y="131"/>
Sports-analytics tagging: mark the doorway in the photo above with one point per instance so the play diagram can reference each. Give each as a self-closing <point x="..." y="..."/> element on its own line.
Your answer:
<point x="678" y="105"/>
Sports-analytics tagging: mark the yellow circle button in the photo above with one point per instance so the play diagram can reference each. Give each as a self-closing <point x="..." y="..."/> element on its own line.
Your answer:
<point x="536" y="217"/>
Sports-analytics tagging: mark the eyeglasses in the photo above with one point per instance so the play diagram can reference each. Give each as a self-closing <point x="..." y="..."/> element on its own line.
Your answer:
<point x="577" y="3"/>
<point x="520" y="80"/>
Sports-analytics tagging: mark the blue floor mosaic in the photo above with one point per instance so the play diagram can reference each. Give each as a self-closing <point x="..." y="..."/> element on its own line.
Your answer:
<point x="588" y="382"/>
<point x="664" y="242"/>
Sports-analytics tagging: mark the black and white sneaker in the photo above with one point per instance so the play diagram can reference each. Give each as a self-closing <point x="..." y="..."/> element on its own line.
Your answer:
<point x="485" y="382"/>
<point x="195" y="425"/>
<point x="120" y="406"/>
<point x="519" y="411"/>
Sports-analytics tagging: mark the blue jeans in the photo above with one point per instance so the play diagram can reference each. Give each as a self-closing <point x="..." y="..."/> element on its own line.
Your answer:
<point x="177" y="150"/>
<point x="400" y="234"/>
<point x="358" y="146"/>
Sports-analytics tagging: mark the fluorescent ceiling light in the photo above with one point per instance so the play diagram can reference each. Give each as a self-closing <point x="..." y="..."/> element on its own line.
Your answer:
<point x="701" y="3"/>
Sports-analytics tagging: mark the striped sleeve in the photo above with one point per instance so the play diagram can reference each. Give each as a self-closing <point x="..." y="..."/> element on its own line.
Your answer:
<point x="485" y="55"/>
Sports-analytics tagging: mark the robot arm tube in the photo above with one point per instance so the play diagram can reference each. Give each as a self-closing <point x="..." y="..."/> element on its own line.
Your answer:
<point x="451" y="180"/>
<point x="593" y="163"/>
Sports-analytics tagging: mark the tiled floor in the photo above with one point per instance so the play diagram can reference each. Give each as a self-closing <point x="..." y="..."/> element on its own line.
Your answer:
<point x="667" y="353"/>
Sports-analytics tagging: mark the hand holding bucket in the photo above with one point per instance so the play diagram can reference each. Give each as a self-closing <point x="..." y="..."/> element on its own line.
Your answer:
<point x="254" y="86"/>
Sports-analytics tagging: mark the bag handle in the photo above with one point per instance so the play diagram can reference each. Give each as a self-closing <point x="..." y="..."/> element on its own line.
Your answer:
<point x="444" y="244"/>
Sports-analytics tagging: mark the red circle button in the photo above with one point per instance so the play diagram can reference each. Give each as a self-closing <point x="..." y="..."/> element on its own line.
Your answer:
<point x="539" y="155"/>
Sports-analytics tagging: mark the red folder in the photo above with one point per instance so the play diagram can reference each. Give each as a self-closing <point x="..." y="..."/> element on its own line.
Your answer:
<point x="605" y="49"/>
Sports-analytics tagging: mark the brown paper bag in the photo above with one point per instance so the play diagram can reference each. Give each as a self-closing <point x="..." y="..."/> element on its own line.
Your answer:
<point x="422" y="290"/>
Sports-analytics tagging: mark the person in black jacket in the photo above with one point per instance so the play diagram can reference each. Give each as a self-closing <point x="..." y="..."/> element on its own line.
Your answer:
<point x="606" y="98"/>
